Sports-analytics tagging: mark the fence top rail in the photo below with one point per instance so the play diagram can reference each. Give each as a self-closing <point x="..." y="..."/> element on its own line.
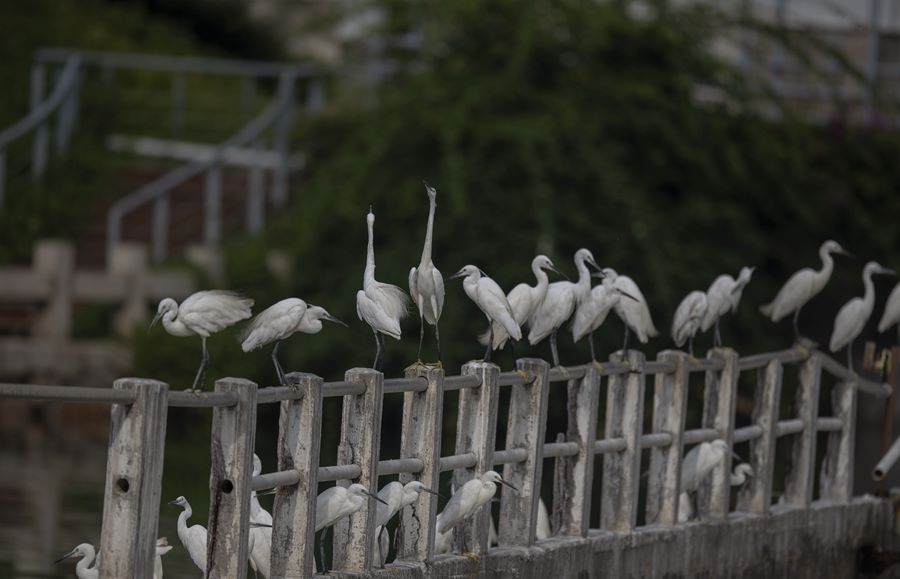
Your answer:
<point x="67" y="394"/>
<point x="64" y="86"/>
<point x="833" y="367"/>
<point x="180" y="64"/>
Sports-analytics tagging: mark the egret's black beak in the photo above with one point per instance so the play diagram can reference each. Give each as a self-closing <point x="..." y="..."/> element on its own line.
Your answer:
<point x="628" y="295"/>
<point x="503" y="482"/>
<point x="331" y="318"/>
<point x="175" y="502"/>
<point x="431" y="492"/>
<point x="156" y="319"/>
<point x="68" y="555"/>
<point x="737" y="456"/>
<point x="268" y="492"/>
<point x="460" y="273"/>
<point x="553" y="268"/>
<point x="599" y="274"/>
<point x="377" y="498"/>
<point x="590" y="261"/>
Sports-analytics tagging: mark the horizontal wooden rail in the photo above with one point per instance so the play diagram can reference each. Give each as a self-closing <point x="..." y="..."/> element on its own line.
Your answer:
<point x="67" y="394"/>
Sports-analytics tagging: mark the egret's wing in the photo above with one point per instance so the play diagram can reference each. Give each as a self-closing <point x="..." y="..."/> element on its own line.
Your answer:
<point x="390" y="298"/>
<point x="373" y="314"/>
<point x="492" y="300"/>
<point x="849" y="322"/>
<point x="635" y="312"/>
<point x="196" y="546"/>
<point x="439" y="292"/>
<point x="521" y="304"/>
<point x="413" y="285"/>
<point x="327" y="506"/>
<point x="689" y="480"/>
<point x="718" y="302"/>
<point x="214" y="310"/>
<point x="557" y="307"/>
<point x="391" y="493"/>
<point x="797" y="291"/>
<point x="276" y="322"/>
<point x="460" y="506"/>
<point x="891" y="313"/>
<point x="542" y="530"/>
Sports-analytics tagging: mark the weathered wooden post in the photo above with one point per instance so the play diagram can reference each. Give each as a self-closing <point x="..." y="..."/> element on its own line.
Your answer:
<point x="719" y="398"/>
<point x="670" y="394"/>
<point x="54" y="263"/>
<point x="128" y="262"/>
<point x="421" y="439"/>
<point x="756" y="495"/>
<point x="360" y="442"/>
<point x="232" y="440"/>
<point x="526" y="428"/>
<point x="134" y="466"/>
<point x="837" y="477"/>
<point x="798" y="486"/>
<point x="476" y="433"/>
<point x="294" y="513"/>
<point x="584" y="399"/>
<point x="624" y="419"/>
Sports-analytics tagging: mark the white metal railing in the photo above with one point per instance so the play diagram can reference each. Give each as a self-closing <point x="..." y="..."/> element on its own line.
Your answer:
<point x="130" y="516"/>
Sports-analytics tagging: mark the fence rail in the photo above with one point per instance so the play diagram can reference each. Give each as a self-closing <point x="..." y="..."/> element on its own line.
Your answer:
<point x="139" y="414"/>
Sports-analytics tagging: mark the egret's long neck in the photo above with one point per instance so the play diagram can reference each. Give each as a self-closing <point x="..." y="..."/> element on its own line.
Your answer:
<point x="426" y="249"/>
<point x="541" y="276"/>
<point x="173" y="325"/>
<point x="869" y="296"/>
<point x="827" y="267"/>
<point x="183" y="518"/>
<point x="584" y="277"/>
<point x="369" y="275"/>
<point x="86" y="561"/>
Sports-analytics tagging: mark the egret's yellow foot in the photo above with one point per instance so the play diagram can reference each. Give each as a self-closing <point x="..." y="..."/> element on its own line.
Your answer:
<point x="472" y="556"/>
<point x="563" y="371"/>
<point x="597" y="365"/>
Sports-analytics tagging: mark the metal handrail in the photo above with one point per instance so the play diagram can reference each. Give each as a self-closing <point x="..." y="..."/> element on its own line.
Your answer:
<point x="161" y="187"/>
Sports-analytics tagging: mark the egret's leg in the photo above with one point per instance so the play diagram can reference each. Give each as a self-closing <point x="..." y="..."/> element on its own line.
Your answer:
<point x="591" y="342"/>
<point x="278" y="369"/>
<point x="437" y="338"/>
<point x="718" y="336"/>
<point x="490" y="344"/>
<point x="625" y="344"/>
<point x="553" y="350"/>
<point x="201" y="371"/>
<point x="421" y="335"/>
<point x="322" y="565"/>
<point x="377" y="351"/>
<point x="850" y="355"/>
<point x="379" y="339"/>
<point x="381" y="555"/>
<point x="691" y="346"/>
<point x="797" y="324"/>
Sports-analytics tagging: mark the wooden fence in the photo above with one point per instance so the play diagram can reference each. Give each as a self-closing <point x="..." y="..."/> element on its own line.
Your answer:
<point x="137" y="444"/>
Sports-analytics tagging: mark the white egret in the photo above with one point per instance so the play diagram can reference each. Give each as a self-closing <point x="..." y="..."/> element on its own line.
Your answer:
<point x="852" y="317"/>
<point x="741" y="473"/>
<point x="162" y="547"/>
<point x="426" y="284"/>
<point x="396" y="496"/>
<point x="542" y="530"/>
<point x="260" y="551"/>
<point x="491" y="300"/>
<point x="560" y="302"/>
<point x="700" y="461"/>
<point x="335" y="503"/>
<point x="802" y="287"/>
<point x="688" y="318"/>
<point x="891" y="313"/>
<point x="523" y="300"/>
<point x="280" y="321"/>
<point x="87" y="554"/>
<point x="381" y="305"/>
<point x="194" y="537"/>
<point x="724" y="295"/>
<point x="202" y="314"/>
<point x="591" y="312"/>
<point x="634" y="312"/>
<point x="470" y="497"/>
<point x="443" y="542"/>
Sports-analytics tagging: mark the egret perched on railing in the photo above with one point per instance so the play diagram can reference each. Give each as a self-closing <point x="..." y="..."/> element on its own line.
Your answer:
<point x="381" y="305"/>
<point x="470" y="497"/>
<point x="202" y="314"/>
<point x="194" y="537"/>
<point x="280" y="321"/>
<point x="162" y="547"/>
<point x="688" y="318"/>
<point x="852" y="317"/>
<point x="83" y="569"/>
<point x="491" y="300"/>
<point x="395" y="496"/>
<point x="524" y="300"/>
<point x="426" y="284"/>
<point x="724" y="295"/>
<point x="591" y="312"/>
<point x="891" y="315"/>
<point x="802" y="287"/>
<point x="260" y="553"/>
<point x="335" y="503"/>
<point x="741" y="473"/>
<point x="559" y="303"/>
<point x="634" y="313"/>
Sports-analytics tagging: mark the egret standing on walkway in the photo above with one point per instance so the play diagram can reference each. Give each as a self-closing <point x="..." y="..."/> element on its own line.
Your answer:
<point x="335" y="503"/>
<point x="891" y="313"/>
<point x="634" y="313"/>
<point x="260" y="552"/>
<point x="524" y="300"/>
<point x="280" y="321"/>
<point x="83" y="569"/>
<point x="724" y="295"/>
<point x="381" y="305"/>
<point x="688" y="318"/>
<point x="852" y="318"/>
<point x="202" y="314"/>
<point x="194" y="537"/>
<point x="741" y="473"/>
<point x="395" y="496"/>
<point x="491" y="300"/>
<point x="470" y="497"/>
<point x="802" y="287"/>
<point x="560" y="302"/>
<point x="426" y="284"/>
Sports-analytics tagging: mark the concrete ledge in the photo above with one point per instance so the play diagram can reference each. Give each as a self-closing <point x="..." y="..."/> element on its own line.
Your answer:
<point x="817" y="542"/>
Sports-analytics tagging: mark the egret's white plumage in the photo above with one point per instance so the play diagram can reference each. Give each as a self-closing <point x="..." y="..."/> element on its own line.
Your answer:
<point x="203" y="314"/>
<point x="426" y="285"/>
<point x="194" y="537"/>
<point x="700" y="461"/>
<point x="260" y="546"/>
<point x="381" y="305"/>
<point x="802" y="287"/>
<point x="466" y="501"/>
<point x="740" y="475"/>
<point x="87" y="555"/>
<point x="491" y="300"/>
<point x="559" y="303"/>
<point x="688" y="318"/>
<point x="852" y="317"/>
<point x="524" y="300"/>
<point x="891" y="313"/>
<point x="162" y="547"/>
<point x="634" y="313"/>
<point x="542" y="529"/>
<point x="723" y="296"/>
<point x="336" y="502"/>
<point x="280" y="321"/>
<point x="443" y="542"/>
